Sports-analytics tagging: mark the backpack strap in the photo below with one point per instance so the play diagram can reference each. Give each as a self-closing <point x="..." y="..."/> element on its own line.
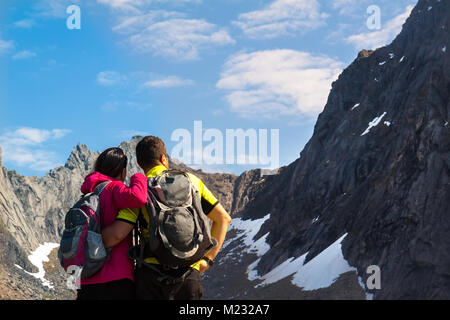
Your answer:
<point x="140" y="243"/>
<point x="100" y="187"/>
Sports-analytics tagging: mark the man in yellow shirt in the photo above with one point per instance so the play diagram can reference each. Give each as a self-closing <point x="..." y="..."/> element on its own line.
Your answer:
<point x="152" y="158"/>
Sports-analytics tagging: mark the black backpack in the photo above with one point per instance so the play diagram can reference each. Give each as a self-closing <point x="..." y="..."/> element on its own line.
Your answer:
<point x="179" y="230"/>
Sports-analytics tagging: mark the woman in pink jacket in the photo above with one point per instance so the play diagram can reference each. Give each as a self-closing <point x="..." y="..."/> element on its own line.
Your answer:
<point x="115" y="279"/>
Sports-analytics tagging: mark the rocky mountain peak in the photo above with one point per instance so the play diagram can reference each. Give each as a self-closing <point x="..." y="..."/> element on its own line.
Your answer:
<point x="364" y="54"/>
<point x="81" y="158"/>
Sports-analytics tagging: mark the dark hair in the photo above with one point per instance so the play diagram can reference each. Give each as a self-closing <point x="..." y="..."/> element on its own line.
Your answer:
<point x="149" y="151"/>
<point x="111" y="162"/>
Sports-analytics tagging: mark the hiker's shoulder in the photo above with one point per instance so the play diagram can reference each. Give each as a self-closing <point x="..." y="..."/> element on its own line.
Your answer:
<point x="128" y="214"/>
<point x="202" y="188"/>
<point x="196" y="181"/>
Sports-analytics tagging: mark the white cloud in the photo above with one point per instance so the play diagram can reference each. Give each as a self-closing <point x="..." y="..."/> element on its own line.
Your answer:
<point x="281" y="17"/>
<point x="171" y="35"/>
<point x="138" y="7"/>
<point x="24" y="24"/>
<point x="344" y="3"/>
<point x="169" y="82"/>
<point x="278" y="82"/>
<point x="111" y="78"/>
<point x="127" y="4"/>
<point x="6" y="46"/>
<point x="53" y="8"/>
<point x="25" y="54"/>
<point x="181" y="39"/>
<point x="139" y="79"/>
<point x="114" y="106"/>
<point x="379" y="38"/>
<point x="135" y="23"/>
<point x="123" y="5"/>
<point x="24" y="147"/>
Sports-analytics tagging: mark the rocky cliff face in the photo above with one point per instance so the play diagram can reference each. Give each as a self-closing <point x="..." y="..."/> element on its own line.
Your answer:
<point x="375" y="175"/>
<point x="370" y="188"/>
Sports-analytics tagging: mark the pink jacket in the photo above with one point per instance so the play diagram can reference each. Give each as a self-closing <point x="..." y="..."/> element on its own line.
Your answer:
<point x="116" y="196"/>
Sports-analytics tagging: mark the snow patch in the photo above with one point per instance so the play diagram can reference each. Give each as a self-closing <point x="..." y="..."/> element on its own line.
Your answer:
<point x="387" y="123"/>
<point x="374" y="123"/>
<point x="401" y="59"/>
<point x="286" y="269"/>
<point x="391" y="56"/>
<point x="37" y="258"/>
<point x="320" y="272"/>
<point x="247" y="230"/>
<point x="324" y="269"/>
<point x="382" y="63"/>
<point x="444" y="49"/>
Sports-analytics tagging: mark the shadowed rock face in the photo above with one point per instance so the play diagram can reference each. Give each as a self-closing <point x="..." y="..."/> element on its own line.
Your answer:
<point x="377" y="168"/>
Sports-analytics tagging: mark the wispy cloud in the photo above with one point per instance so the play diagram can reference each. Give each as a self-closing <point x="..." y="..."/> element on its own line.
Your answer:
<point x="163" y="33"/>
<point x="124" y="5"/>
<point x="278" y="82"/>
<point x="114" y="106"/>
<point x="24" y="23"/>
<point x="281" y="18"/>
<point x="52" y="8"/>
<point x="6" y="46"/>
<point x="169" y="82"/>
<point x="376" y="39"/>
<point x="111" y="78"/>
<point x="24" y="54"/>
<point x="171" y="34"/>
<point x="348" y="7"/>
<point x="141" y="80"/>
<point x="25" y="147"/>
<point x="136" y="5"/>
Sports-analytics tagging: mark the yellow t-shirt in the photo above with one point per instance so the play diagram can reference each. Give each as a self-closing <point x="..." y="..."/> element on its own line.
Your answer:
<point x="208" y="202"/>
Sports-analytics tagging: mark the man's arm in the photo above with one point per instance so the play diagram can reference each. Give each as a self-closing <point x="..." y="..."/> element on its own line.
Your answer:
<point x="119" y="229"/>
<point x="115" y="233"/>
<point x="221" y="220"/>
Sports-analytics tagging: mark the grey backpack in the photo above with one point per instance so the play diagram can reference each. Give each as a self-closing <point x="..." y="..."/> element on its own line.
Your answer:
<point x="180" y="232"/>
<point x="81" y="242"/>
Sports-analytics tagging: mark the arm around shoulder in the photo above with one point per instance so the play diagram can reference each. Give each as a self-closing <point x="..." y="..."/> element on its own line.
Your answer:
<point x="115" y="233"/>
<point x="134" y="196"/>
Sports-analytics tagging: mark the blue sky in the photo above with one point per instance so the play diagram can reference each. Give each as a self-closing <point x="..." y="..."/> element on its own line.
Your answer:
<point x="154" y="66"/>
